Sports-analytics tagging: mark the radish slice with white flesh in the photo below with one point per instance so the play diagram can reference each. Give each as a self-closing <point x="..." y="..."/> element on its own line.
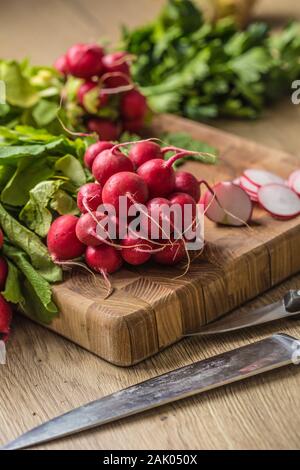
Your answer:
<point x="233" y="199"/>
<point x="294" y="181"/>
<point x="262" y="177"/>
<point x="247" y="185"/>
<point x="279" y="200"/>
<point x="296" y="185"/>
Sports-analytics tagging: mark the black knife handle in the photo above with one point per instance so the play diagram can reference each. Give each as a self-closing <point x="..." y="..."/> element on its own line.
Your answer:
<point x="292" y="301"/>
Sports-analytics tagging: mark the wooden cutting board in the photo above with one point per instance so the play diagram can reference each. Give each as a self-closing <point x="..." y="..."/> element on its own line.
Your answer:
<point x="151" y="307"/>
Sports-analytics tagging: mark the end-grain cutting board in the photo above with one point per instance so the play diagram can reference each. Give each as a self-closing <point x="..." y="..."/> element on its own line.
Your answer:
<point x="151" y="309"/>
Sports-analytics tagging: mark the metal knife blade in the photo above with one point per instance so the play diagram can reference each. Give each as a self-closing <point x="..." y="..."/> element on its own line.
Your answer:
<point x="256" y="358"/>
<point x="287" y="307"/>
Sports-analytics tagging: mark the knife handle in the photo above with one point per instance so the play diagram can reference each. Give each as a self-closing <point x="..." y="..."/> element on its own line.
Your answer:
<point x="292" y="301"/>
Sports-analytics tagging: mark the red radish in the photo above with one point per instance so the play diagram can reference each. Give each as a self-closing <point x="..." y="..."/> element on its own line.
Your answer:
<point x="160" y="221"/>
<point x="183" y="199"/>
<point x="133" y="105"/>
<point x="142" y="152"/>
<point x="140" y="252"/>
<point x="228" y="205"/>
<point x="133" y="126"/>
<point x="1" y="239"/>
<point x="85" y="60"/>
<point x="103" y="259"/>
<point x="171" y="254"/>
<point x="86" y="229"/>
<point x="3" y="272"/>
<point x="89" y="196"/>
<point x="100" y="101"/>
<point x="159" y="174"/>
<point x="108" y="163"/>
<point x="107" y="130"/>
<point x="125" y="184"/>
<point x="61" y="65"/>
<point x="62" y="241"/>
<point x="262" y="177"/>
<point x="94" y="150"/>
<point x="113" y="64"/>
<point x="279" y="200"/>
<point x="185" y="182"/>
<point x="5" y="318"/>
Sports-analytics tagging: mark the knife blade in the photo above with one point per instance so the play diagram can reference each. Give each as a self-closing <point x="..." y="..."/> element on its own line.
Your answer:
<point x="287" y="307"/>
<point x="238" y="364"/>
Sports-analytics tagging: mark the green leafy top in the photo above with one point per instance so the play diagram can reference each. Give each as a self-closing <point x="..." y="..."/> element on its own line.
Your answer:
<point x="203" y="71"/>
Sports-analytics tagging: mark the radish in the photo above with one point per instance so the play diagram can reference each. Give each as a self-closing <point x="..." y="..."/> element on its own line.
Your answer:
<point x="100" y="100"/>
<point x="140" y="252"/>
<point x="116" y="63"/>
<point x="246" y="184"/>
<point x="159" y="174"/>
<point x="86" y="229"/>
<point x="107" y="130"/>
<point x="1" y="239"/>
<point x="103" y="259"/>
<point x="134" y="126"/>
<point x="279" y="200"/>
<point x="125" y="184"/>
<point x="85" y="60"/>
<point x="62" y="241"/>
<point x="160" y="220"/>
<point x="3" y="272"/>
<point x="262" y="177"/>
<point x="183" y="199"/>
<point x="144" y="151"/>
<point x="89" y="196"/>
<point x="5" y="318"/>
<point x="185" y="182"/>
<point x="294" y="181"/>
<point x="227" y="204"/>
<point x="93" y="150"/>
<point x="61" y="65"/>
<point x="171" y="254"/>
<point x="108" y="163"/>
<point x="133" y="105"/>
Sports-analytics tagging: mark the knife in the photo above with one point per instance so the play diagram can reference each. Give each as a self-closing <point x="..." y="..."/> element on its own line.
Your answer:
<point x="287" y="307"/>
<point x="271" y="353"/>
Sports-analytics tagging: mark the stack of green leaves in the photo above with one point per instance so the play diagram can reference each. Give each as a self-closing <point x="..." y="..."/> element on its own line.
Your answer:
<point x="201" y="70"/>
<point x="32" y="95"/>
<point x="39" y="177"/>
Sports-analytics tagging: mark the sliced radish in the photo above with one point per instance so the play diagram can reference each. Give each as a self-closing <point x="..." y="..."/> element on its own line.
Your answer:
<point x="296" y="185"/>
<point x="233" y="199"/>
<point x="262" y="177"/>
<point x="293" y="176"/>
<point x="279" y="200"/>
<point x="294" y="181"/>
<point x="253" y="196"/>
<point x="237" y="181"/>
<point x="246" y="184"/>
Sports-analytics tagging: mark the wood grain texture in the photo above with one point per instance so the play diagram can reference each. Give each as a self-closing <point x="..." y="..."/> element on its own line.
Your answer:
<point x="151" y="306"/>
<point x="47" y="375"/>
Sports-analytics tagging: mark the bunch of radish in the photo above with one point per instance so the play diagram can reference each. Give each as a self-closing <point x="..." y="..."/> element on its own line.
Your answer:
<point x="142" y="177"/>
<point x="145" y="177"/>
<point x="278" y="197"/>
<point x="5" y="308"/>
<point x="109" y="101"/>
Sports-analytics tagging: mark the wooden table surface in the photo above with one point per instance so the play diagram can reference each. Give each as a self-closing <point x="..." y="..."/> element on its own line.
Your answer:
<point x="46" y="375"/>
